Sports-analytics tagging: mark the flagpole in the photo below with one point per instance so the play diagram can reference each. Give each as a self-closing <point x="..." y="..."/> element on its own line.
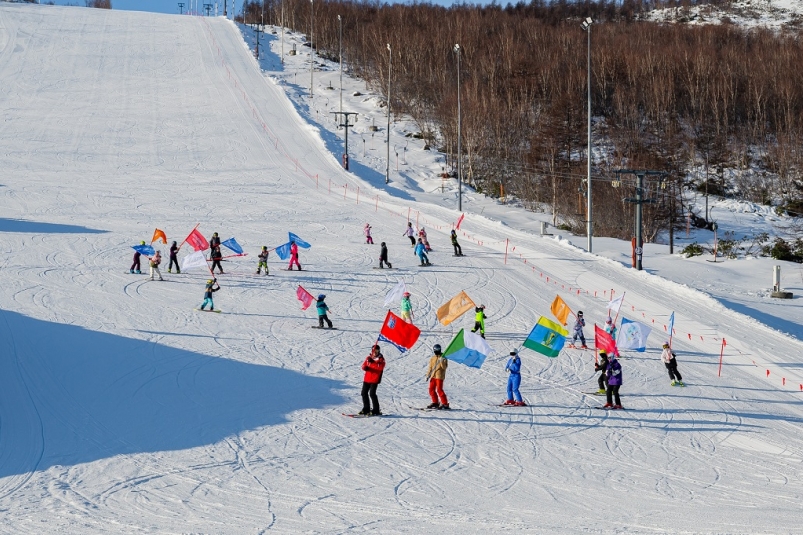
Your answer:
<point x="188" y="235"/>
<point x="620" y="307"/>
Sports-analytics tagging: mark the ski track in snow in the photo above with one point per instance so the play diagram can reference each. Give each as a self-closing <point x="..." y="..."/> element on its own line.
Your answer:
<point x="117" y="136"/>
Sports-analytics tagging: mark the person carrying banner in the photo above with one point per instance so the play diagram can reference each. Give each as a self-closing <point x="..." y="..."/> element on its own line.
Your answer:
<point x="410" y="233"/>
<point x="173" y="259"/>
<point x="211" y="287"/>
<point x="135" y="267"/>
<point x="293" y="257"/>
<point x="263" y="260"/>
<point x="479" y="320"/>
<point x="514" y="380"/>
<point x="579" y="323"/>
<point x="322" y="310"/>
<point x="458" y="251"/>
<point x="215" y="254"/>
<point x="367" y="232"/>
<point x="420" y="250"/>
<point x="668" y="358"/>
<point x="610" y="328"/>
<point x="614" y="373"/>
<point x="373" y="366"/>
<point x="602" y="365"/>
<point x="383" y="256"/>
<point x="436" y="373"/>
<point x="154" y="265"/>
<point x="406" y="308"/>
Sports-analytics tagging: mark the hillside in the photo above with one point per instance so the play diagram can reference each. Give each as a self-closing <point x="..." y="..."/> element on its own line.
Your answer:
<point x="124" y="410"/>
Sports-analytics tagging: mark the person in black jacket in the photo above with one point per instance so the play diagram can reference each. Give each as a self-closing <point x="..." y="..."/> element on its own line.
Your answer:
<point x="602" y="365"/>
<point x="173" y="259"/>
<point x="211" y="287"/>
<point x="214" y="245"/>
<point x="383" y="256"/>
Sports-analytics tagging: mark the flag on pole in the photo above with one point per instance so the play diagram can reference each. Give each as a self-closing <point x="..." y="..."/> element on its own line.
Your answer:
<point x="454" y="308"/>
<point x="398" y="332"/>
<point x="632" y="335"/>
<point x="147" y="250"/>
<point x="395" y="294"/>
<point x="560" y="310"/>
<point x="468" y="348"/>
<point x="232" y="244"/>
<point x="283" y="251"/>
<point x="301" y="243"/>
<point x="547" y="338"/>
<point x="459" y="220"/>
<point x="194" y="260"/>
<point x="614" y="306"/>
<point x="671" y="327"/>
<point x="159" y="235"/>
<point x="305" y="297"/>
<point x="604" y="341"/>
<point x="197" y="240"/>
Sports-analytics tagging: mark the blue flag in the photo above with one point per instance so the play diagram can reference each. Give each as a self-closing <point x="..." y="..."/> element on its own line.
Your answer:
<point x="147" y="250"/>
<point x="232" y="244"/>
<point x="301" y="243"/>
<point x="671" y="326"/>
<point x="283" y="251"/>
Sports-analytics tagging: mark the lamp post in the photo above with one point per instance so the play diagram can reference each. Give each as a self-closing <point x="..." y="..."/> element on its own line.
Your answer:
<point x="590" y="229"/>
<point x="340" y="22"/>
<point x="459" y="137"/>
<point x="390" y="61"/>
<point x="311" y="29"/>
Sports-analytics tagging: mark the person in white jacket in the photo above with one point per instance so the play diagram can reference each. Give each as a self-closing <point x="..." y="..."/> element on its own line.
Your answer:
<point x="154" y="264"/>
<point x="668" y="358"/>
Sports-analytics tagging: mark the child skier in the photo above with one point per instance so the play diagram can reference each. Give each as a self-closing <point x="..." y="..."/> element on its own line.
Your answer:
<point x="514" y="380"/>
<point x="610" y="328"/>
<point x="215" y="254"/>
<point x="579" y="323"/>
<point x="479" y="320"/>
<point x="668" y="358"/>
<point x="135" y="267"/>
<point x="422" y="234"/>
<point x="406" y="308"/>
<point x="263" y="260"/>
<point x="373" y="366"/>
<point x="322" y="310"/>
<point x="367" y="231"/>
<point x="602" y="365"/>
<point x="154" y="265"/>
<point x="436" y="373"/>
<point x="458" y="251"/>
<point x="420" y="250"/>
<point x="173" y="259"/>
<point x="211" y="287"/>
<point x="614" y="373"/>
<point x="410" y="233"/>
<point x="383" y="256"/>
<point x="293" y="257"/>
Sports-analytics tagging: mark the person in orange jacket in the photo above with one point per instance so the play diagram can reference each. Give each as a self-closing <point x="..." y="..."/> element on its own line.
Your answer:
<point x="373" y="367"/>
<point x="436" y="373"/>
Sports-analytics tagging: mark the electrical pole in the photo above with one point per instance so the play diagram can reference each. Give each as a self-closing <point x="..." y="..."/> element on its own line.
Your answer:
<point x="346" y="125"/>
<point x="639" y="200"/>
<point x="225" y="8"/>
<point x="390" y="61"/>
<point x="181" y="8"/>
<point x="311" y="29"/>
<point x="459" y="138"/>
<point x="340" y="55"/>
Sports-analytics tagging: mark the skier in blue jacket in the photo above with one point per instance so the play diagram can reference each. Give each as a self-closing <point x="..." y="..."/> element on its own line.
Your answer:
<point x="421" y="251"/>
<point x="514" y="380"/>
<point x="579" y="323"/>
<point x="322" y="310"/>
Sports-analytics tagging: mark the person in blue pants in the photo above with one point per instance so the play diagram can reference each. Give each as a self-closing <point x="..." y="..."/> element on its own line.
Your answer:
<point x="514" y="380"/>
<point x="421" y="251"/>
<point x="211" y="287"/>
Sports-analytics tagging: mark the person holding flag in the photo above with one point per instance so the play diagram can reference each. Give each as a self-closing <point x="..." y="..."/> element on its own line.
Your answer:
<point x="136" y="266"/>
<point x="610" y="328"/>
<point x="154" y="265"/>
<point x="458" y="251"/>
<point x="215" y="254"/>
<point x="322" y="308"/>
<point x="514" y="380"/>
<point x="406" y="308"/>
<point x="436" y="374"/>
<point x="173" y="258"/>
<point x="479" y="320"/>
<point x="374" y="367"/>
<point x="668" y="358"/>
<point x="602" y="366"/>
<point x="263" y="260"/>
<point x="614" y="373"/>
<point x="211" y="287"/>
<point x="293" y="256"/>
<point x="579" y="323"/>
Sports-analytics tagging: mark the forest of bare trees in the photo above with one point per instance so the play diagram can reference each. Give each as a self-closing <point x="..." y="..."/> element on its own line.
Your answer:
<point x="718" y="108"/>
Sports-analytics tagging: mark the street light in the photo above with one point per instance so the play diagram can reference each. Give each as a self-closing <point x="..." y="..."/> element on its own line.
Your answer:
<point x="340" y="22"/>
<point x="311" y="28"/>
<point x="590" y="229"/>
<point x="459" y="137"/>
<point x="390" y="60"/>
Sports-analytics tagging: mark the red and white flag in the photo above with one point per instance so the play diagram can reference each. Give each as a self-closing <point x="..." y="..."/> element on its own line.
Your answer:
<point x="305" y="297"/>
<point x="398" y="332"/>
<point x="459" y="220"/>
<point x="197" y="240"/>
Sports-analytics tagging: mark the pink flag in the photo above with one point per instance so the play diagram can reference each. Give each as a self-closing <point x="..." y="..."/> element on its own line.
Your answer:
<point x="603" y="340"/>
<point x="197" y="240"/>
<point x="305" y="297"/>
<point x="459" y="220"/>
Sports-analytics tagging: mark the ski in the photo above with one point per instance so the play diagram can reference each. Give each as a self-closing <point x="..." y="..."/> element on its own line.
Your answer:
<point x="517" y="406"/>
<point x="458" y="255"/>
<point x="594" y="393"/>
<point x="679" y="384"/>
<point x="611" y="408"/>
<point x="205" y="310"/>
<point x="426" y="265"/>
<point x="427" y="409"/>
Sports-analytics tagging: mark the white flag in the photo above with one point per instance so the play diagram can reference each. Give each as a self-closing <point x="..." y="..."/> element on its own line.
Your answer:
<point x="615" y="305"/>
<point x="632" y="335"/>
<point x="196" y="259"/>
<point x="395" y="295"/>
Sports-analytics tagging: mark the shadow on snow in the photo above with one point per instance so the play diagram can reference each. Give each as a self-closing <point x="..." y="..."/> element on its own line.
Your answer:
<point x="36" y="227"/>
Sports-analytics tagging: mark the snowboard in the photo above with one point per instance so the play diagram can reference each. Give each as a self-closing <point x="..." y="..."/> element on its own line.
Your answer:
<point x="426" y="265"/>
<point x="364" y="415"/>
<point x="324" y="328"/>
<point x="206" y="310"/>
<point x="681" y="384"/>
<point x="611" y="408"/>
<point x="383" y="268"/>
<point x="515" y="406"/>
<point x="458" y="255"/>
<point x="427" y="409"/>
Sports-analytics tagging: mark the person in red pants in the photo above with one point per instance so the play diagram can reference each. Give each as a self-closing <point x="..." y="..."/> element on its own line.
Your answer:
<point x="373" y="367"/>
<point x="293" y="257"/>
<point x="436" y="373"/>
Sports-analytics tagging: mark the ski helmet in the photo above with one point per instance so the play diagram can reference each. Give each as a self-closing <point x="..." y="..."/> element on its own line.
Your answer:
<point x="142" y="242"/>
<point x="666" y="344"/>
<point x="406" y="294"/>
<point x="609" y="320"/>
<point x="321" y="296"/>
<point x="210" y="281"/>
<point x="580" y="313"/>
<point x="264" y="247"/>
<point x="437" y="349"/>
<point x="514" y="353"/>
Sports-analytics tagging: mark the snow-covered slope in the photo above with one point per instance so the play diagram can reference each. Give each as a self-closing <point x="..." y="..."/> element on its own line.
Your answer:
<point x="124" y="410"/>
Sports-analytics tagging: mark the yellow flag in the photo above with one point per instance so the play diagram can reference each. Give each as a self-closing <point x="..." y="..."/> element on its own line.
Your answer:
<point x="454" y="308"/>
<point x="159" y="235"/>
<point x="560" y="310"/>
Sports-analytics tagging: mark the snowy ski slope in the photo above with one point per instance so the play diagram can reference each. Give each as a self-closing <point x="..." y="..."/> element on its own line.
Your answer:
<point x="124" y="410"/>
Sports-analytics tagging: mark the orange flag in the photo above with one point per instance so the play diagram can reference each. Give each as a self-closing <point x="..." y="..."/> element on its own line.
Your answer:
<point x="560" y="310"/>
<point x="454" y="308"/>
<point x="159" y="235"/>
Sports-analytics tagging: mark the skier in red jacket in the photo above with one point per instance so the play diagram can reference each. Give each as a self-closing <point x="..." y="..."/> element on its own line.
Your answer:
<point x="373" y="366"/>
<point x="293" y="257"/>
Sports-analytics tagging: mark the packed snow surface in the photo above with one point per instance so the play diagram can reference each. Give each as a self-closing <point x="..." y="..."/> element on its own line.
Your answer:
<point x="122" y="409"/>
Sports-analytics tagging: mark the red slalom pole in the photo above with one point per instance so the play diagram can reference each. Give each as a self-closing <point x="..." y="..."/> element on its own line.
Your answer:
<point x="721" y="352"/>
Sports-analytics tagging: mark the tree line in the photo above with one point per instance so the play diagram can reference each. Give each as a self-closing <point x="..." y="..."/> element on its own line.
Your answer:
<point x="719" y="108"/>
